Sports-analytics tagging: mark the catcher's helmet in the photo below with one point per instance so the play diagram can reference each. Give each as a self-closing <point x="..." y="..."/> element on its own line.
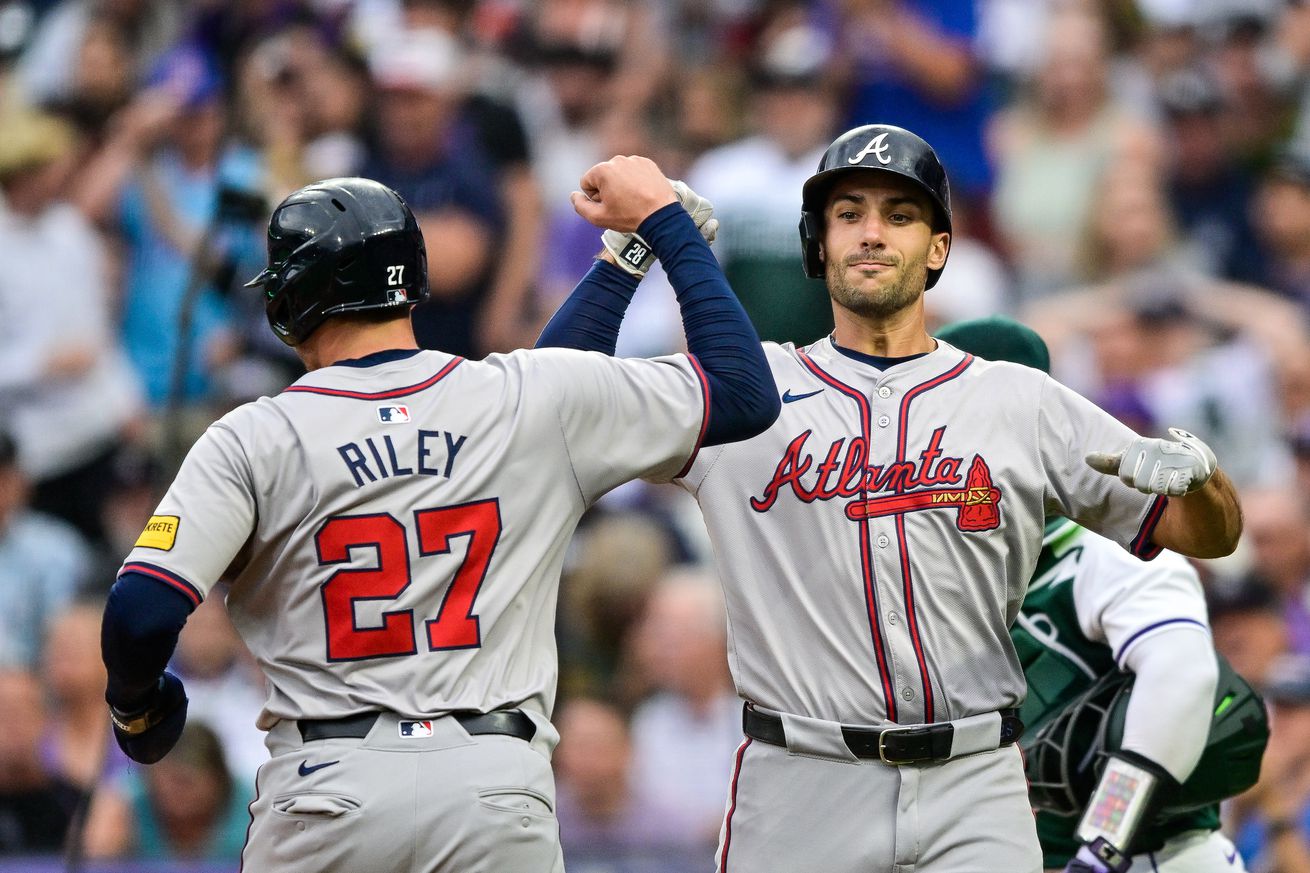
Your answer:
<point x="871" y="147"/>
<point x="339" y="246"/>
<point x="1064" y="759"/>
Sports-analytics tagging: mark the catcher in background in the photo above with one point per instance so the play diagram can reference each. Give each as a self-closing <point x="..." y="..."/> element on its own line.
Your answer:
<point x="1136" y="727"/>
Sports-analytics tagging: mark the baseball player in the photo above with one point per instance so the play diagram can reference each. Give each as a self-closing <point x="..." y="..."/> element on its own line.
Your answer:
<point x="1093" y="616"/>
<point x="393" y="525"/>
<point x="875" y="544"/>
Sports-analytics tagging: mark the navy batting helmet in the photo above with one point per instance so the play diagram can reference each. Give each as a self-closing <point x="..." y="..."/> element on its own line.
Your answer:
<point x="872" y="147"/>
<point x="340" y="246"/>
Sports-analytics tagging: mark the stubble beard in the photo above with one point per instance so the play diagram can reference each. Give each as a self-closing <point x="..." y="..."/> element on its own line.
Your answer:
<point x="879" y="302"/>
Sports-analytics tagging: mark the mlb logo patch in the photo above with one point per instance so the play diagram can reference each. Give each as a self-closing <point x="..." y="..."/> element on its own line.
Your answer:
<point x="415" y="729"/>
<point x="398" y="296"/>
<point x="393" y="414"/>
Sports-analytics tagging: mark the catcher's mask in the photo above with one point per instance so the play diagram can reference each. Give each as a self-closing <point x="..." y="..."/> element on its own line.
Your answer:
<point x="339" y="246"/>
<point x="1064" y="759"/>
<point x="872" y="147"/>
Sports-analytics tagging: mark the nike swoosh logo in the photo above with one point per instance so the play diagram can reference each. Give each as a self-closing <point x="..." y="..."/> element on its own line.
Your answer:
<point x="1232" y="859"/>
<point x="306" y="770"/>
<point x="788" y="397"/>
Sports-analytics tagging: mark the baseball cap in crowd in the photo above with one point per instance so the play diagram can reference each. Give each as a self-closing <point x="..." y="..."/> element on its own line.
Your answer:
<point x="423" y="59"/>
<point x="32" y="139"/>
<point x="190" y="74"/>
<point x="997" y="338"/>
<point x="1190" y="92"/>
<point x="794" y="58"/>
<point x="1288" y="680"/>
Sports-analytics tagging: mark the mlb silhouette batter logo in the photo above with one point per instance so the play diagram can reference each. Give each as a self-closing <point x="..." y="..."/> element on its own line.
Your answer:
<point x="393" y="414"/>
<point x="415" y="729"/>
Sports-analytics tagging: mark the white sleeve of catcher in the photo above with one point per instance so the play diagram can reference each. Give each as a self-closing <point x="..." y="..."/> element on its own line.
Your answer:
<point x="1168" y="719"/>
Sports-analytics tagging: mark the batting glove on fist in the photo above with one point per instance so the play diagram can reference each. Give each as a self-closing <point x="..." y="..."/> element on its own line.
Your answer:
<point x="1171" y="467"/>
<point x="632" y="253"/>
<point x="146" y="732"/>
<point x="1100" y="856"/>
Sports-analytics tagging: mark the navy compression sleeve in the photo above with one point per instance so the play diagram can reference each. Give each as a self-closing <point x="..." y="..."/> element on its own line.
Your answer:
<point x="743" y="397"/>
<point x="143" y="618"/>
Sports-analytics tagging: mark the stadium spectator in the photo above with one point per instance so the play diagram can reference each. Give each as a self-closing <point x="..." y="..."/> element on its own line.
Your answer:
<point x="428" y="150"/>
<point x="685" y="734"/>
<point x="1246" y="620"/>
<point x="225" y="686"/>
<point x="186" y="807"/>
<point x="36" y="803"/>
<point x="76" y="743"/>
<point x="158" y="181"/>
<point x="1282" y="223"/>
<point x="42" y="563"/>
<point x="67" y="394"/>
<point x="1278" y="532"/>
<point x="597" y="809"/>
<point x="753" y="183"/>
<point x="1051" y="147"/>
<point x="1272" y="820"/>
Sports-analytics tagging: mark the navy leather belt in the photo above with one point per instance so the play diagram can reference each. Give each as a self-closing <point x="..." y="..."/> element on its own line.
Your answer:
<point x="894" y="744"/>
<point x="510" y="723"/>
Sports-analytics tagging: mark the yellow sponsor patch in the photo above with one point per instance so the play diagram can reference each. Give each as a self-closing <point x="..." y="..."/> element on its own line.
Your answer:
<point x="160" y="532"/>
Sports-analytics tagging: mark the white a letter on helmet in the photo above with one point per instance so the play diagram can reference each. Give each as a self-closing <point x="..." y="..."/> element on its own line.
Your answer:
<point x="877" y="147"/>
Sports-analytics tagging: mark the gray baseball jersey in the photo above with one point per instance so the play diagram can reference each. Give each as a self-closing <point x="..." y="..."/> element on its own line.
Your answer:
<point x="395" y="531"/>
<point x="875" y="544"/>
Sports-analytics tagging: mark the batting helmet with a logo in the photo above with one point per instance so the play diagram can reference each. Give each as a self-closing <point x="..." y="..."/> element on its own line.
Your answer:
<point x="340" y="246"/>
<point x="872" y="147"/>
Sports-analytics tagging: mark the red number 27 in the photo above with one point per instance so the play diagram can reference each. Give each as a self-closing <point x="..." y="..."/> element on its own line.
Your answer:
<point x="454" y="627"/>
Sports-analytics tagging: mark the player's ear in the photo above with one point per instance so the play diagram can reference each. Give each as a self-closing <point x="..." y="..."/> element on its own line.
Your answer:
<point x="937" y="250"/>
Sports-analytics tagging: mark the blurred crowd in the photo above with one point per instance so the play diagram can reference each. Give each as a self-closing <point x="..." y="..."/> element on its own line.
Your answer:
<point x="1130" y="177"/>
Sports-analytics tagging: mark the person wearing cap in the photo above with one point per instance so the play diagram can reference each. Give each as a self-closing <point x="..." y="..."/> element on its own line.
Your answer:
<point x="453" y="156"/>
<point x="875" y="543"/>
<point x="67" y="393"/>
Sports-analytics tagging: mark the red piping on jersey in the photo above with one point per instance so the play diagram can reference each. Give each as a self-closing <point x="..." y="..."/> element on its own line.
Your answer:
<point x="1142" y="546"/>
<point x="911" y="613"/>
<point x="380" y="395"/>
<point x="866" y="563"/>
<point x="168" y="577"/>
<point x="732" y="805"/>
<point x="705" y="415"/>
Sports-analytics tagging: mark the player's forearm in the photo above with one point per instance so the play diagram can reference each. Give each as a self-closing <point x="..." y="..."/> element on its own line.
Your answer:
<point x="1204" y="524"/>
<point x="743" y="397"/>
<point x="141" y="624"/>
<point x="1169" y="712"/>
<point x="590" y="318"/>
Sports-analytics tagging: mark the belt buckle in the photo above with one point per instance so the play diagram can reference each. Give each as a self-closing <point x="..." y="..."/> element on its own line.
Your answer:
<point x="882" y="743"/>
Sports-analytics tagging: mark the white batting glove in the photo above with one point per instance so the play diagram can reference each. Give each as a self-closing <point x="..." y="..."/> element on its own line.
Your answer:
<point x="634" y="255"/>
<point x="1158" y="466"/>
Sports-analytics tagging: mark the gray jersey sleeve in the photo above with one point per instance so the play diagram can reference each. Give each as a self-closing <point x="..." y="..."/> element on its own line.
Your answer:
<point x="624" y="418"/>
<point x="204" y="519"/>
<point x="1070" y="426"/>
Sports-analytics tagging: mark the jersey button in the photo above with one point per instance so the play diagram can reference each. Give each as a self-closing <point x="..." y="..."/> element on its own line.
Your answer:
<point x="892" y="618"/>
<point x="883" y="541"/>
<point x="884" y="392"/>
<point x="883" y="421"/>
<point x="907" y="694"/>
